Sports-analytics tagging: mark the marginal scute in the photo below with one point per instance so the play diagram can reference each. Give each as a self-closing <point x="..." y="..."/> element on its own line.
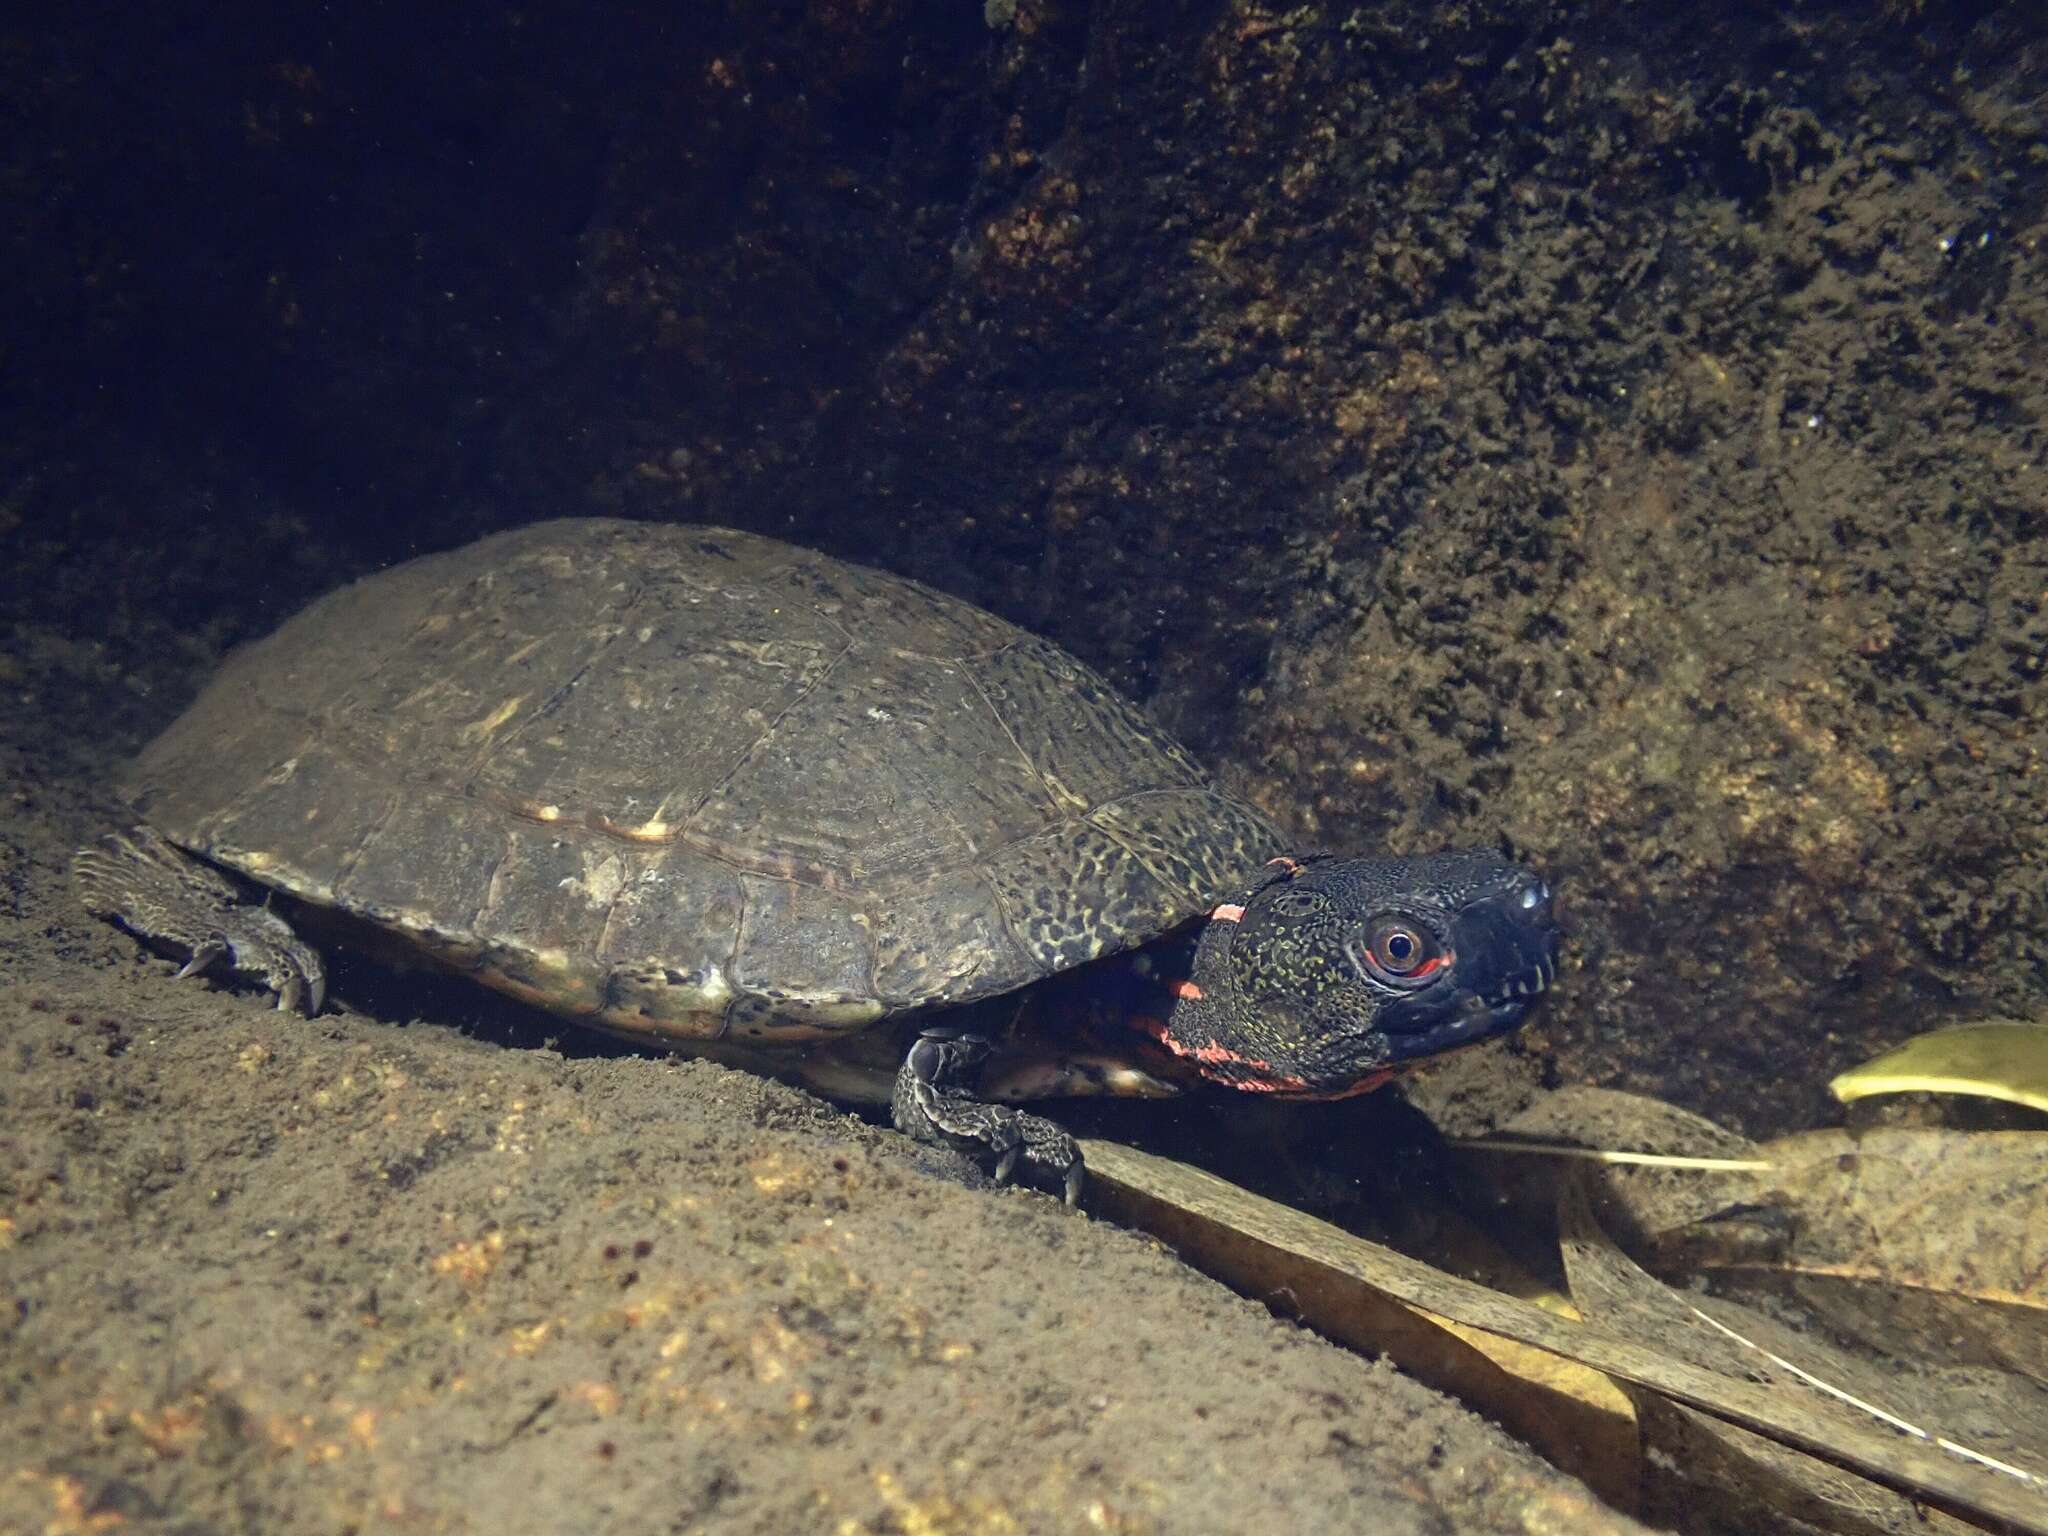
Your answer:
<point x="668" y="947"/>
<point x="941" y="937"/>
<point x="549" y="896"/>
<point x="805" y="952"/>
<point x="303" y="824"/>
<point x="558" y="980"/>
<point x="427" y="866"/>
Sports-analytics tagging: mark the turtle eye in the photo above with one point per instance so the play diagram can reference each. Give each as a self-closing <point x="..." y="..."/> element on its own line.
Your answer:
<point x="1399" y="949"/>
<point x="1397" y="952"/>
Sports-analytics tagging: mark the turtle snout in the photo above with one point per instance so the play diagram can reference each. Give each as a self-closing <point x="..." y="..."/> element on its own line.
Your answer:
<point x="1508" y="944"/>
<point x="1543" y="905"/>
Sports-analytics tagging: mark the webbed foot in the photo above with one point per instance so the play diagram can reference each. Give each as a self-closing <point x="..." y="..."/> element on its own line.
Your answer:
<point x="164" y="895"/>
<point x="932" y="1103"/>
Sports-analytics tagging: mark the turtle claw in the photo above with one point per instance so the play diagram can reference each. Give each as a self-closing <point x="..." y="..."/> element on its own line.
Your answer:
<point x="931" y="1104"/>
<point x="202" y="957"/>
<point x="164" y="895"/>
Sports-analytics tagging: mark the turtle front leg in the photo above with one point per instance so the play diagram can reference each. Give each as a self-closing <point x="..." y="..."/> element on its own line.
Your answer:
<point x="932" y="1103"/>
<point x="162" y="894"/>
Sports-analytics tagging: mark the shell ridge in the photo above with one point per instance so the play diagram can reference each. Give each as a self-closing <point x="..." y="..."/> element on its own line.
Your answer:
<point x="494" y="744"/>
<point x="1053" y="796"/>
<point x="491" y="889"/>
<point x="1004" y="920"/>
<point x="604" y="932"/>
<point x="353" y="860"/>
<point x="732" y="960"/>
<point x="766" y="735"/>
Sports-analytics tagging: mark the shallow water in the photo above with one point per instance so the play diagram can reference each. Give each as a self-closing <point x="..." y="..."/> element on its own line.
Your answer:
<point x="1614" y="435"/>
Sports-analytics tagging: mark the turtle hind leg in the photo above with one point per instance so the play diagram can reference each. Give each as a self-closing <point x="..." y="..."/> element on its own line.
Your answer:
<point x="932" y="1103"/>
<point x="162" y="894"/>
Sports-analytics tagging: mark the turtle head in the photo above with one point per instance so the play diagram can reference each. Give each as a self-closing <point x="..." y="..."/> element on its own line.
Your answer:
<point x="1332" y="973"/>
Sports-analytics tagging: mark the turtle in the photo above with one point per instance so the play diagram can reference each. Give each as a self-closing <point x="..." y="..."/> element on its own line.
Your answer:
<point x="700" y="787"/>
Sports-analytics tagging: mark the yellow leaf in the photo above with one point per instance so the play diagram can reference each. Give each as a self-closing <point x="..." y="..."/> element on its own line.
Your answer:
<point x="1993" y="1059"/>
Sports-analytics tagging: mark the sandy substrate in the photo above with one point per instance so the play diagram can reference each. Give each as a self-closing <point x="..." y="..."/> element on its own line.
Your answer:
<point x="368" y="1273"/>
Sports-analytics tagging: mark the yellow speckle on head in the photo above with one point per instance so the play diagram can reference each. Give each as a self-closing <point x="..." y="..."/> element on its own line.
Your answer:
<point x="481" y="730"/>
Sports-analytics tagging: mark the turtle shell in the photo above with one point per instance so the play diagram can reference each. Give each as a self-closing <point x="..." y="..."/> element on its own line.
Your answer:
<point x="696" y="783"/>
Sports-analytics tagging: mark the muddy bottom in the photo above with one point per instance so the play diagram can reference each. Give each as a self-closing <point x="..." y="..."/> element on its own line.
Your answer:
<point x="369" y="1272"/>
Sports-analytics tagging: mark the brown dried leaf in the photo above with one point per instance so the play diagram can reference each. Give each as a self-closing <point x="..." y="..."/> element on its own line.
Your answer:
<point x="1963" y="1212"/>
<point x="1379" y="1299"/>
<point x="1744" y="1480"/>
<point x="1914" y="1233"/>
